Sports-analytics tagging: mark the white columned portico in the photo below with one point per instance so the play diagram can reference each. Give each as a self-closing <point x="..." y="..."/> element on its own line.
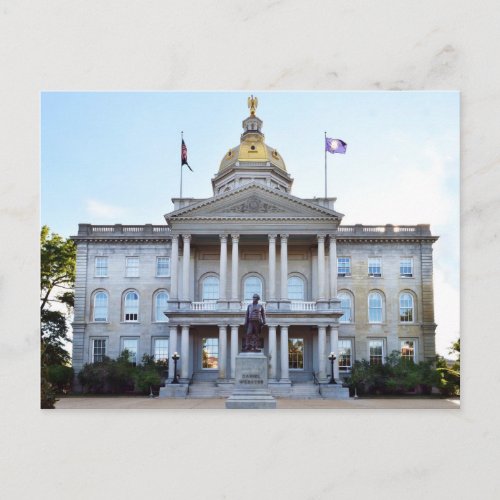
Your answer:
<point x="234" y="349"/>
<point x="174" y="275"/>
<point x="234" y="267"/>
<point x="333" y="267"/>
<point x="222" y="351"/>
<point x="334" y="346"/>
<point x="272" y="352"/>
<point x="284" y="354"/>
<point x="321" y="267"/>
<point x="272" y="267"/>
<point x="185" y="352"/>
<point x="322" y="353"/>
<point x="172" y="347"/>
<point x="223" y="268"/>
<point x="186" y="257"/>
<point x="284" y="269"/>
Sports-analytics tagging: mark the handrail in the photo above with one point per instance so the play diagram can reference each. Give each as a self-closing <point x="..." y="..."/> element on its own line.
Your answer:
<point x="190" y="381"/>
<point x="316" y="382"/>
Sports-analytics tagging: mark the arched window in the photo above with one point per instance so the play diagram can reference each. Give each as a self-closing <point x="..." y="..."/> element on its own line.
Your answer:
<point x="375" y="307"/>
<point x="252" y="284"/>
<point x="346" y="306"/>
<point x="210" y="288"/>
<point x="131" y="306"/>
<point x="161" y="303"/>
<point x="406" y="308"/>
<point x="296" y="288"/>
<point x="101" y="306"/>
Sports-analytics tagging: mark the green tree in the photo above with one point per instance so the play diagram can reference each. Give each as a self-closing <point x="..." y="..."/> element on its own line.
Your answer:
<point x="57" y="279"/>
<point x="58" y="269"/>
<point x="449" y="383"/>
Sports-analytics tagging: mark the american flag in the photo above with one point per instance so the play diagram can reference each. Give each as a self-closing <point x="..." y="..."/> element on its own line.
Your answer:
<point x="184" y="155"/>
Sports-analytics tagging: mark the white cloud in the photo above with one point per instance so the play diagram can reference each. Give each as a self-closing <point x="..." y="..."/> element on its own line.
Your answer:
<point x="102" y="210"/>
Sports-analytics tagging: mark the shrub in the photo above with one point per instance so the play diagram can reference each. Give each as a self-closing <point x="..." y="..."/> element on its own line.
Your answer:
<point x="395" y="376"/>
<point x="150" y="374"/>
<point x="94" y="376"/>
<point x="60" y="377"/>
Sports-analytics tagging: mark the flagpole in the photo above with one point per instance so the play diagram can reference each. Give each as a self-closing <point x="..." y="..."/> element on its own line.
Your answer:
<point x="182" y="138"/>
<point x="325" y="166"/>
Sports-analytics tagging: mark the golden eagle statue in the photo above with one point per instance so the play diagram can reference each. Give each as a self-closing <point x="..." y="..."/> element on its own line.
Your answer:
<point x="253" y="102"/>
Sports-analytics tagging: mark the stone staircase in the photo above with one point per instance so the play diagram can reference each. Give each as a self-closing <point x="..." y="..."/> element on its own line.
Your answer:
<point x="200" y="390"/>
<point x="305" y="390"/>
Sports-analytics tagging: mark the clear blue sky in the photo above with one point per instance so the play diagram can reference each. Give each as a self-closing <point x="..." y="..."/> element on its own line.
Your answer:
<point x="115" y="157"/>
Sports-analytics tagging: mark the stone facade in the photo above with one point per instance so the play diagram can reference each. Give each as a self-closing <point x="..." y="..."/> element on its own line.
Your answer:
<point x="254" y="235"/>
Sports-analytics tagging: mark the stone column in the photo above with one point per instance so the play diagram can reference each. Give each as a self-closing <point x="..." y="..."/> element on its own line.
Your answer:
<point x="222" y="351"/>
<point x="223" y="267"/>
<point x="321" y="267"/>
<point x="272" y="267"/>
<point x="284" y="354"/>
<point x="272" y="352"/>
<point x="174" y="276"/>
<point x="284" y="268"/>
<point x="172" y="347"/>
<point x="322" y="353"/>
<point x="333" y="267"/>
<point x="334" y="347"/>
<point x="186" y="257"/>
<point x="234" y="349"/>
<point x="185" y="352"/>
<point x="234" y="268"/>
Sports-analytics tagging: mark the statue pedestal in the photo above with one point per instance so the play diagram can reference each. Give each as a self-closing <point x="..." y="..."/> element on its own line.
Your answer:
<point x="250" y="385"/>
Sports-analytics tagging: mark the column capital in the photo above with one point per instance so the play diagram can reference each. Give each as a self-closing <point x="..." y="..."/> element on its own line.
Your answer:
<point x="220" y="325"/>
<point x="321" y="237"/>
<point x="235" y="326"/>
<point x="272" y="237"/>
<point x="185" y="325"/>
<point x="235" y="238"/>
<point x="223" y="237"/>
<point x="175" y="237"/>
<point x="284" y="236"/>
<point x="186" y="237"/>
<point x="333" y="237"/>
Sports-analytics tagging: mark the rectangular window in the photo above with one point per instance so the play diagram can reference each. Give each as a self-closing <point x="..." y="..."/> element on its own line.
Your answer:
<point x="98" y="350"/>
<point x="160" y="350"/>
<point x="210" y="354"/>
<point x="162" y="266"/>
<point x="376" y="352"/>
<point x="345" y="355"/>
<point x="344" y="266"/>
<point x="132" y="267"/>
<point x="406" y="267"/>
<point x="374" y="267"/>
<point x="131" y="346"/>
<point x="296" y="354"/>
<point x="409" y="351"/>
<point x="101" y="266"/>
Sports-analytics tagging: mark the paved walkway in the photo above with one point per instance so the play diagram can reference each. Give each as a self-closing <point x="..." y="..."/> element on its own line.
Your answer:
<point x="145" y="403"/>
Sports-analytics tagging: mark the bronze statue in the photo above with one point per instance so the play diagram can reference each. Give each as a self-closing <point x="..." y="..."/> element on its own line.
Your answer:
<point x="254" y="319"/>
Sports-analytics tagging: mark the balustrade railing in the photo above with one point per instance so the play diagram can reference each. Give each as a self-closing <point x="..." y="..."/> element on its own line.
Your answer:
<point x="300" y="305"/>
<point x="206" y="305"/>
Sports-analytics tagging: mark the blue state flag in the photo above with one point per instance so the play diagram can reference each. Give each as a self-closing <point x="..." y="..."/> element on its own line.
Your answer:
<point x="335" y="145"/>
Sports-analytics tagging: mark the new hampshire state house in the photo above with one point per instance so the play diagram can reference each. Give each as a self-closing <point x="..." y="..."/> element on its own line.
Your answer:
<point x="358" y="291"/>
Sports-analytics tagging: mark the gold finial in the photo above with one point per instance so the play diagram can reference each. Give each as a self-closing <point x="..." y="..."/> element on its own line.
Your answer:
<point x="253" y="102"/>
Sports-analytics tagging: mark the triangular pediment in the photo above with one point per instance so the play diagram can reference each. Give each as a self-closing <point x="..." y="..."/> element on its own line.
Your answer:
<point x="253" y="200"/>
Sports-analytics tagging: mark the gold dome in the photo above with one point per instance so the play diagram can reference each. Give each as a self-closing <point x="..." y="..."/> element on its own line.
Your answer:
<point x="252" y="147"/>
<point x="244" y="153"/>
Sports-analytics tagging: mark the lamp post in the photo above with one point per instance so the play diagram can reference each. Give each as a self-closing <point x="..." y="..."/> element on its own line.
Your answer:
<point x="175" y="357"/>
<point x="332" y="358"/>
